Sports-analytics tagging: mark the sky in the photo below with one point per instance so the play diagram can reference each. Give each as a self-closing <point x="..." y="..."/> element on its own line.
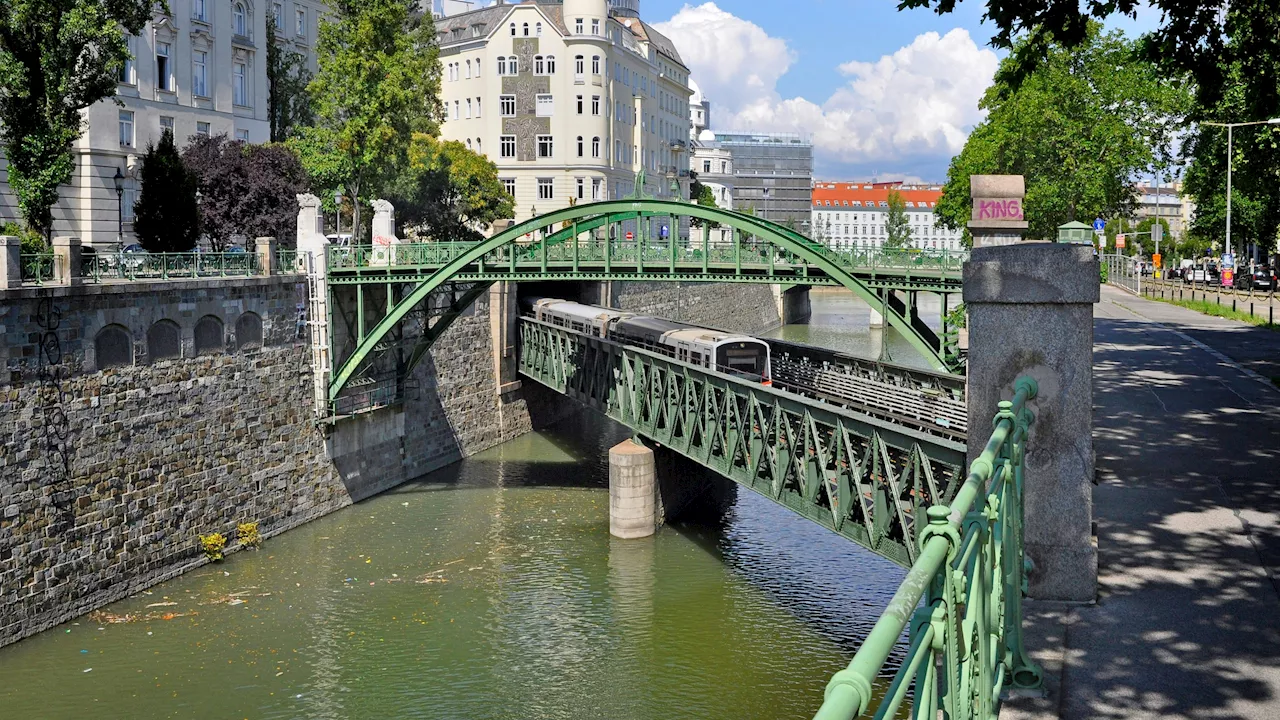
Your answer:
<point x="881" y="93"/>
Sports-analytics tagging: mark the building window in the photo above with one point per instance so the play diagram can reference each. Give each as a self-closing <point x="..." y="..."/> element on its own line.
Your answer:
<point x="457" y="109"/>
<point x="242" y="135"/>
<point x="546" y="105"/>
<point x="595" y="147"/>
<point x="239" y="22"/>
<point x="597" y="189"/>
<point x="468" y="115"/>
<point x="595" y="104"/>
<point x="595" y="64"/>
<point x="551" y="64"/>
<point x="507" y="146"/>
<point x="706" y="166"/>
<point x="513" y="29"/>
<point x="577" y="26"/>
<point x="477" y="67"/>
<point x="477" y="107"/>
<point x="582" y="188"/>
<point x="724" y="167"/>
<point x="581" y="146"/>
<point x="468" y="143"/>
<point x="128" y="199"/>
<point x="164" y="78"/>
<point x="578" y="64"/>
<point x="546" y="146"/>
<point x="126" y="70"/>
<point x="537" y="31"/>
<point x="539" y="67"/>
<point x="468" y="75"/>
<point x="166" y="123"/>
<point x="507" y="103"/>
<point x="199" y="84"/>
<point x="198" y="10"/>
<point x="508" y="65"/>
<point x="595" y="27"/>
<point x="126" y="128"/>
<point x="546" y="188"/>
<point x="300" y="23"/>
<point x="239" y="85"/>
<point x="277" y="16"/>
<point x="524" y="27"/>
<point x="502" y="65"/>
<point x="579" y="100"/>
<point x="202" y="128"/>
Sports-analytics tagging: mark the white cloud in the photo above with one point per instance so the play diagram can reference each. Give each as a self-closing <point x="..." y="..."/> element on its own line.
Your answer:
<point x="914" y="107"/>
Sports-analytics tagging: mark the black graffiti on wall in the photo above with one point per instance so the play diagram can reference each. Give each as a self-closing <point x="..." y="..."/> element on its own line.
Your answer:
<point x="54" y="425"/>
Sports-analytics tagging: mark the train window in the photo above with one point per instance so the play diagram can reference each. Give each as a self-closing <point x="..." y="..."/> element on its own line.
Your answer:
<point x="695" y="357"/>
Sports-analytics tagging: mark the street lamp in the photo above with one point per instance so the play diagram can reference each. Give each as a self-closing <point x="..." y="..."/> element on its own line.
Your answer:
<point x="1230" y="127"/>
<point x="337" y="214"/>
<point x="119" y="182"/>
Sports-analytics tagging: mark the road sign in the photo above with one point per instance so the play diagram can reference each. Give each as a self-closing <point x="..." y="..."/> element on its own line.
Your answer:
<point x="663" y="231"/>
<point x="1119" y="241"/>
<point x="629" y="235"/>
<point x="1155" y="260"/>
<point x="1228" y="260"/>
<point x="1099" y="225"/>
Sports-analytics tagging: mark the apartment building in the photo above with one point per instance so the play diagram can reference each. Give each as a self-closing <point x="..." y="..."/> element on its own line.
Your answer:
<point x="198" y="70"/>
<point x="852" y="215"/>
<point x="570" y="99"/>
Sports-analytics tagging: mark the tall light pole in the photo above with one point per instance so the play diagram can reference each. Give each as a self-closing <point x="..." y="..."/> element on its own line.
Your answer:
<point x="118" y="179"/>
<point x="1230" y="127"/>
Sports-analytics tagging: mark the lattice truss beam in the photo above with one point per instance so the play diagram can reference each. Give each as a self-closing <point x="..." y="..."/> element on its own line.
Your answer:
<point x="860" y="477"/>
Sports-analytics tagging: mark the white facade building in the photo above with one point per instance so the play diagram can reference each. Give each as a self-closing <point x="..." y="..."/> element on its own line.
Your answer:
<point x="200" y="70"/>
<point x="570" y="99"/>
<point x="852" y="215"/>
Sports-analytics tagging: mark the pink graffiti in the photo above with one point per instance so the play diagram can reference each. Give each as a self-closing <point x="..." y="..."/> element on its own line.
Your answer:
<point x="999" y="209"/>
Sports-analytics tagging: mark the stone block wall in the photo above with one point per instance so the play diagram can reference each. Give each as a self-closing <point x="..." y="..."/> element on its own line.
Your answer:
<point x="745" y="308"/>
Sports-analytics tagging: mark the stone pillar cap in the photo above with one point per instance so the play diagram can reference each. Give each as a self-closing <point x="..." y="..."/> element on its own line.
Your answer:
<point x="997" y="186"/>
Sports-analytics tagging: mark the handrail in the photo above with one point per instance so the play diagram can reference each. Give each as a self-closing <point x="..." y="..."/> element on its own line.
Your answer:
<point x="36" y="267"/>
<point x="971" y="568"/>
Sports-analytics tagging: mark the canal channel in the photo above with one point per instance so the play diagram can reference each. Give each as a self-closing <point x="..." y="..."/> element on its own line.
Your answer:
<point x="488" y="589"/>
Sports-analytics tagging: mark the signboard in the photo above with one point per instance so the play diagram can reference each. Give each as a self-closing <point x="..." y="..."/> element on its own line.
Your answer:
<point x="1099" y="225"/>
<point x="1228" y="277"/>
<point x="663" y="231"/>
<point x="629" y="235"/>
<point x="1119" y="242"/>
<point x="1102" y="242"/>
<point x="1228" y="260"/>
<point x="1155" y="260"/>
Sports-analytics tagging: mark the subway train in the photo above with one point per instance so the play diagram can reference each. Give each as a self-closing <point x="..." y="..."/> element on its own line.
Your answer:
<point x="739" y="355"/>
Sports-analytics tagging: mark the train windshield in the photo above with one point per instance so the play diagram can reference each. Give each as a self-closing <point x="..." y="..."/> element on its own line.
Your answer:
<point x="744" y="358"/>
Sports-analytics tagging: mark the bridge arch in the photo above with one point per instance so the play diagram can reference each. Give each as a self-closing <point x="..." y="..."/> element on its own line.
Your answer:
<point x="586" y="218"/>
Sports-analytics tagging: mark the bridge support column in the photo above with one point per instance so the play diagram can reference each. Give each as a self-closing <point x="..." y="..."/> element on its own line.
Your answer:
<point x="1030" y="308"/>
<point x="877" y="320"/>
<point x="632" y="490"/>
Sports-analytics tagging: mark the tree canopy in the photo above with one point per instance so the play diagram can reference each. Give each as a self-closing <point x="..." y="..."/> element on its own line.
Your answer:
<point x="165" y="216"/>
<point x="57" y="57"/>
<point x="1081" y="127"/>
<point x="378" y="84"/>
<point x="448" y="191"/>
<point x="288" y="104"/>
<point x="248" y="190"/>
<point x="897" y="228"/>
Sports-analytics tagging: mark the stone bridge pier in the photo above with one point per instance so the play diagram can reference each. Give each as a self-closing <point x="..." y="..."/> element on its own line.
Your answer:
<point x="650" y="486"/>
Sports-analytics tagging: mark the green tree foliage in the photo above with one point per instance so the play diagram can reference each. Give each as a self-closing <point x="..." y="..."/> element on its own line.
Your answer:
<point x="378" y="84"/>
<point x="448" y="191"/>
<point x="166" y="218"/>
<point x="897" y="228"/>
<point x="1080" y="128"/>
<point x="288" y="103"/>
<point x="701" y="195"/>
<point x="245" y="189"/>
<point x="57" y="57"/>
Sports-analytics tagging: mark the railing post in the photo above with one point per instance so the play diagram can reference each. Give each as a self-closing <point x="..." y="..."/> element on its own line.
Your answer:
<point x="11" y="265"/>
<point x="1030" y="308"/>
<point x="66" y="260"/>
<point x="267" y="261"/>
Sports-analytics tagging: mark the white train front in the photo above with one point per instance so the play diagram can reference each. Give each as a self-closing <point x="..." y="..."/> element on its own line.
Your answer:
<point x="739" y="355"/>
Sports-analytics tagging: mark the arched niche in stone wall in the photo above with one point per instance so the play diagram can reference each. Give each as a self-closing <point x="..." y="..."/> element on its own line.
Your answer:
<point x="248" y="331"/>
<point x="209" y="337"/>
<point x="164" y="341"/>
<point x="113" y="347"/>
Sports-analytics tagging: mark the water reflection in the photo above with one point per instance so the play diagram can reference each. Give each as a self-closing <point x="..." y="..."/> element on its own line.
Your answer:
<point x="840" y="321"/>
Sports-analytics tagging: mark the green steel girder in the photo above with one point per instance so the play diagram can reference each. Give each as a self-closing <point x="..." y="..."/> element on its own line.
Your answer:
<point x="556" y="272"/>
<point x="811" y="255"/>
<point x="866" y="479"/>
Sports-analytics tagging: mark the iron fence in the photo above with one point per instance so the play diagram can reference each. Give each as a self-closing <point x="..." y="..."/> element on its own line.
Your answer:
<point x="287" y="261"/>
<point x="965" y="640"/>
<point x="165" y="266"/>
<point x="1124" y="271"/>
<point x="37" y="268"/>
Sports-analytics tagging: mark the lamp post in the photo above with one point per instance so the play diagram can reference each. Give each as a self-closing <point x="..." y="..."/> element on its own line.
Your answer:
<point x="337" y="214"/>
<point x="1230" y="127"/>
<point x="118" y="179"/>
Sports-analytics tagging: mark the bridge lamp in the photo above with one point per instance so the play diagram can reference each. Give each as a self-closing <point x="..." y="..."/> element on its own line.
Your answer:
<point x="118" y="179"/>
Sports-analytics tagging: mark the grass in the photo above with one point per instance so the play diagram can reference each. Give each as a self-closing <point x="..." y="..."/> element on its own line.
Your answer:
<point x="1216" y="310"/>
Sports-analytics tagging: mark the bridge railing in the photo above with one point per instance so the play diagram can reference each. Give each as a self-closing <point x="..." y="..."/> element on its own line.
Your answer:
<point x="654" y="251"/>
<point x="965" y="640"/>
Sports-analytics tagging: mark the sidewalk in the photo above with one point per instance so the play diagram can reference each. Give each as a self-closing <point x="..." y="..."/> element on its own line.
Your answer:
<point x="1187" y="622"/>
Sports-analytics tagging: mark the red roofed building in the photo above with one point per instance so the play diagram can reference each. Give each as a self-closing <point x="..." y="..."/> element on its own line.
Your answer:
<point x="850" y="215"/>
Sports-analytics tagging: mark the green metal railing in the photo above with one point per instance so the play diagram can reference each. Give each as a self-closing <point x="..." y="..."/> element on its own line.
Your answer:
<point x="965" y="644"/>
<point x="165" y="266"/>
<point x="286" y="261"/>
<point x="37" y="268"/>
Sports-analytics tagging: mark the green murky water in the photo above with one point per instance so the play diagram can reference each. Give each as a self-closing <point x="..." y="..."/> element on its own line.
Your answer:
<point x="840" y="322"/>
<point x="489" y="589"/>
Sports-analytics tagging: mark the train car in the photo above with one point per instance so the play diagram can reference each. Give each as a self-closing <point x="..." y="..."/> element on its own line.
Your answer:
<point x="739" y="355"/>
<point x="577" y="317"/>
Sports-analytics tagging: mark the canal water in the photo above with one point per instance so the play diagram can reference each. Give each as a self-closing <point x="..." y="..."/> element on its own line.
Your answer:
<point x="488" y="589"/>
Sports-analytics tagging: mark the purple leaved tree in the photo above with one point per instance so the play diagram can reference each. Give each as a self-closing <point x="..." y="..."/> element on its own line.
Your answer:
<point x="245" y="190"/>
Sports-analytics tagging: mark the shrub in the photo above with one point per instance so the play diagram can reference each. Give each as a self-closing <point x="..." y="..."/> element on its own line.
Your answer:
<point x="213" y="545"/>
<point x="166" y="218"/>
<point x="247" y="534"/>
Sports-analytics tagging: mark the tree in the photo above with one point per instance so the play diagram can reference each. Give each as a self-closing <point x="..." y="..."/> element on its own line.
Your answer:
<point x="701" y="195"/>
<point x="378" y="84"/>
<point x="897" y="228"/>
<point x="288" y="104"/>
<point x="165" y="217"/>
<point x="1080" y="128"/>
<point x="57" y="57"/>
<point x="248" y="190"/>
<point x="449" y="191"/>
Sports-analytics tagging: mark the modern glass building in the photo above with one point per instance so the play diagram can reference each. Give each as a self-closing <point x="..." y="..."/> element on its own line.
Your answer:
<point x="773" y="175"/>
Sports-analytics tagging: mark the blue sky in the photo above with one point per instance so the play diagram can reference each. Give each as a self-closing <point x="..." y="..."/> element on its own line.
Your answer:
<point x="882" y="93"/>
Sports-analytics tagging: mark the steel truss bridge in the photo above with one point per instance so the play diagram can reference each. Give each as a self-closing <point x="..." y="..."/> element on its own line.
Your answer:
<point x="374" y="292"/>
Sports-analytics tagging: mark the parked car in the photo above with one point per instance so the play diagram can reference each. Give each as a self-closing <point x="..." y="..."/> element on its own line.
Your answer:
<point x="1202" y="274"/>
<point x="1260" y="278"/>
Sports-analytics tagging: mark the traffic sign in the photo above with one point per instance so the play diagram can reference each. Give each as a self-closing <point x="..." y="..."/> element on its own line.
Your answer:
<point x="1099" y="225"/>
<point x="663" y="231"/>
<point x="629" y="235"/>
<point x="1119" y="241"/>
<point x="1155" y="260"/>
<point x="1228" y="260"/>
